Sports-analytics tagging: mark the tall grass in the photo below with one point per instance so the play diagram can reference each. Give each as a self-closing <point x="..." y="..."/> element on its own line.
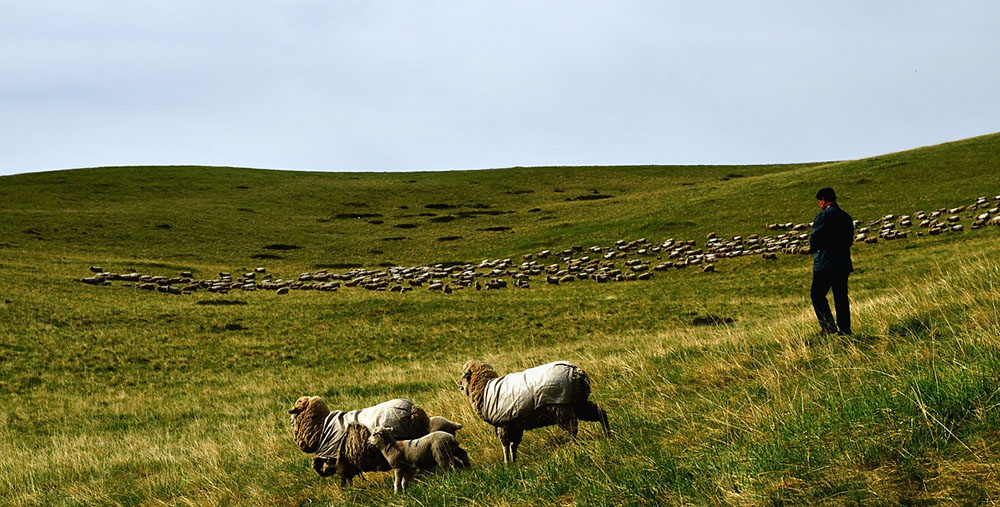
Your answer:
<point x="719" y="388"/>
<point x="756" y="412"/>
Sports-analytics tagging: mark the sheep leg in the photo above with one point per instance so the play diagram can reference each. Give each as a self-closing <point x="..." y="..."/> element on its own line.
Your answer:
<point x="408" y="477"/>
<point x="462" y="457"/>
<point x="443" y="456"/>
<point x="510" y="436"/>
<point x="570" y="425"/>
<point x="398" y="481"/>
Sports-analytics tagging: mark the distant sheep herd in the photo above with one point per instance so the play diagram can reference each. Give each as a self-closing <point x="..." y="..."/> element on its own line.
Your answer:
<point x="398" y="435"/>
<point x="620" y="262"/>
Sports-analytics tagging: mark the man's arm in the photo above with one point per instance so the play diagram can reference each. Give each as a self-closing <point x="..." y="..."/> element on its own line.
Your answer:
<point x="818" y="239"/>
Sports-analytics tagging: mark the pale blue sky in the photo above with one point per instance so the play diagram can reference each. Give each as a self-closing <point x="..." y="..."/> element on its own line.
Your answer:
<point x="405" y="85"/>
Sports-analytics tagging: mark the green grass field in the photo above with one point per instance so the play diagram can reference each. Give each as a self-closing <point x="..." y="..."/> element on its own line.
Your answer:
<point x="719" y="387"/>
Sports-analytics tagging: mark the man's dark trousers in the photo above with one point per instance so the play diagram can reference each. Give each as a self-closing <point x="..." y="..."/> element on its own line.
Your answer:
<point x="822" y="282"/>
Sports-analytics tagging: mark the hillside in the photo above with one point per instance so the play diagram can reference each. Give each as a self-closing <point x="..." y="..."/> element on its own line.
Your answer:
<point x="719" y="388"/>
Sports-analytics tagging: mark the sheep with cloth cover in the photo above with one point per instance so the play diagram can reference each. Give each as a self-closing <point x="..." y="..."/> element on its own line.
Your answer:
<point x="553" y="393"/>
<point x="339" y="439"/>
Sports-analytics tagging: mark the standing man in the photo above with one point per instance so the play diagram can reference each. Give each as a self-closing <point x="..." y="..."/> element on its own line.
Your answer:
<point x="830" y="244"/>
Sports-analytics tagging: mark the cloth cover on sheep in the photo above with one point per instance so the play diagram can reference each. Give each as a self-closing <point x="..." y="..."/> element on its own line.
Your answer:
<point x="515" y="396"/>
<point x="393" y="414"/>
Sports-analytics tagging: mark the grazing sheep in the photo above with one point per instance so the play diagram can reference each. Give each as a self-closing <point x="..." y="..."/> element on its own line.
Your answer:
<point x="554" y="393"/>
<point x="438" y="423"/>
<point x="358" y="456"/>
<point x="339" y="447"/>
<point x="438" y="449"/>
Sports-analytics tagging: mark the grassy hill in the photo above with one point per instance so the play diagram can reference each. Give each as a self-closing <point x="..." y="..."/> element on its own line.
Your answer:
<point x="719" y="388"/>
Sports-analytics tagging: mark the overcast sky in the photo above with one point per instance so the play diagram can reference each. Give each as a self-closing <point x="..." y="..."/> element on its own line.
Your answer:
<point x="372" y="85"/>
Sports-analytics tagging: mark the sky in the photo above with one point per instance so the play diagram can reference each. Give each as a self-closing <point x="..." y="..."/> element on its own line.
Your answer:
<point x="371" y="85"/>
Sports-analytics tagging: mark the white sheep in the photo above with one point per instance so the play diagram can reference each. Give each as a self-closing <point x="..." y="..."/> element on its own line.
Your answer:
<point x="554" y="393"/>
<point x="434" y="450"/>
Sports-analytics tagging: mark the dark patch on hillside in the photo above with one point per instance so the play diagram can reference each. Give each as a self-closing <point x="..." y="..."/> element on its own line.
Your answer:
<point x="732" y="176"/>
<point x="879" y="163"/>
<point x="281" y="246"/>
<point x="375" y="251"/>
<point x="266" y="256"/>
<point x="376" y="222"/>
<point x="232" y="326"/>
<point x="405" y="226"/>
<point x="534" y="210"/>
<point x="343" y="216"/>
<point x="29" y="384"/>
<point x="221" y="302"/>
<point x="163" y="226"/>
<point x="386" y="264"/>
<point x="440" y="206"/>
<point x="711" y="320"/>
<point x="590" y="197"/>
<point x="356" y="204"/>
<point x="446" y="218"/>
<point x="495" y="229"/>
<point x="242" y="187"/>
<point x="519" y="192"/>
<point x="395" y="238"/>
<point x="32" y="232"/>
<point x="480" y="205"/>
<point x="246" y="210"/>
<point x="449" y="238"/>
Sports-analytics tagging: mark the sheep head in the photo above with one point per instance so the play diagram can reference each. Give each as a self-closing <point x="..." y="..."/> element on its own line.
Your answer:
<point x="439" y="423"/>
<point x="308" y="415"/>
<point x="475" y="375"/>
<point x="381" y="436"/>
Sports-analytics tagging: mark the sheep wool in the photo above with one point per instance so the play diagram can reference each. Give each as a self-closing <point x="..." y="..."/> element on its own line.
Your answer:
<point x="395" y="414"/>
<point x="515" y="396"/>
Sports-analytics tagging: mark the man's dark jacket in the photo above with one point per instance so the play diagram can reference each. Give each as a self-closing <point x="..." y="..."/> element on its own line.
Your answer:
<point x="831" y="240"/>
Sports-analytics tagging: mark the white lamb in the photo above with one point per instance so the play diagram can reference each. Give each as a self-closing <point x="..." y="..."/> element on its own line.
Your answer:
<point x="434" y="450"/>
